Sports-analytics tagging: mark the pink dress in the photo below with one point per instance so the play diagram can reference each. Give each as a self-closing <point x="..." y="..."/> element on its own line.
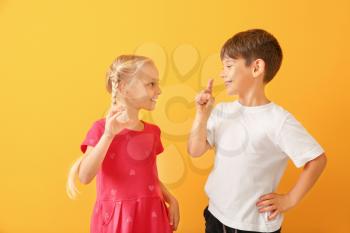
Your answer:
<point x="129" y="198"/>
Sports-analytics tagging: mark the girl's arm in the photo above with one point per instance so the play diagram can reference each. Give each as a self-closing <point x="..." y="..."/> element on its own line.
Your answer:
<point x="277" y="203"/>
<point x="93" y="159"/>
<point x="174" y="212"/>
<point x="94" y="156"/>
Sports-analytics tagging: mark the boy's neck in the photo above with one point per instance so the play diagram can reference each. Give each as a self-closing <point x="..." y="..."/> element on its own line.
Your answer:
<point x="254" y="96"/>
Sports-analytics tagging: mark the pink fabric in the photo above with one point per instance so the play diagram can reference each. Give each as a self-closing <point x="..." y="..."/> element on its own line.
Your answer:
<point x="129" y="198"/>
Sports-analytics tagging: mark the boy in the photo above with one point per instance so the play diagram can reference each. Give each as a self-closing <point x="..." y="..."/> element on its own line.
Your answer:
<point x="253" y="139"/>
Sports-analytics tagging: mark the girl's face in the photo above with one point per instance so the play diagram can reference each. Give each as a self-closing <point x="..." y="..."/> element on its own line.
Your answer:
<point x="237" y="76"/>
<point x="142" y="91"/>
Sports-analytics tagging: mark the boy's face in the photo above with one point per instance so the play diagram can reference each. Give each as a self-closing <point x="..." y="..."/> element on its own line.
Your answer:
<point x="237" y="76"/>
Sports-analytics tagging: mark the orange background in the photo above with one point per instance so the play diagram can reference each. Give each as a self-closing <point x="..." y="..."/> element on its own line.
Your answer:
<point x="54" y="55"/>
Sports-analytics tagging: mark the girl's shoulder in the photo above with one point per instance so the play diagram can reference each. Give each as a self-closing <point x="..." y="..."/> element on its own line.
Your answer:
<point x="151" y="126"/>
<point x="100" y="122"/>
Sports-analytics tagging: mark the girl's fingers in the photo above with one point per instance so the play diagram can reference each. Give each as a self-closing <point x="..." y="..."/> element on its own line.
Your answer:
<point x="116" y="110"/>
<point x="170" y="215"/>
<point x="177" y="220"/>
<point x="116" y="115"/>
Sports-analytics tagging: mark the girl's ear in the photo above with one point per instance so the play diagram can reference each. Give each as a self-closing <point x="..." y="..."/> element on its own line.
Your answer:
<point x="121" y="87"/>
<point x="258" y="68"/>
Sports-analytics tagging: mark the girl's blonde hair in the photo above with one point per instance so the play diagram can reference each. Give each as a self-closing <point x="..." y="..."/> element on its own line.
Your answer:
<point x="123" y="67"/>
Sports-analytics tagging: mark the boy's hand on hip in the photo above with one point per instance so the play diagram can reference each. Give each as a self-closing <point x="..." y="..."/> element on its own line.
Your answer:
<point x="205" y="100"/>
<point x="275" y="204"/>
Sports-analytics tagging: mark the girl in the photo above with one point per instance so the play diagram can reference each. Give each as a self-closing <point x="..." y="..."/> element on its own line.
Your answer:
<point x="121" y="152"/>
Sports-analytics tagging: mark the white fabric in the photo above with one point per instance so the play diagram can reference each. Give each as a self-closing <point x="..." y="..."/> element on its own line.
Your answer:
<point x="252" y="146"/>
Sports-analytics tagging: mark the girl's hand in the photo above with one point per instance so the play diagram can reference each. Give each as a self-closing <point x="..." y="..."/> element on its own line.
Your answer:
<point x="275" y="204"/>
<point x="174" y="213"/>
<point x="116" y="121"/>
<point x="205" y="100"/>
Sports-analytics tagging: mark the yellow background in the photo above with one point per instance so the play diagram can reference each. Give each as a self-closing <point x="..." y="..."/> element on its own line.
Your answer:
<point x="54" y="55"/>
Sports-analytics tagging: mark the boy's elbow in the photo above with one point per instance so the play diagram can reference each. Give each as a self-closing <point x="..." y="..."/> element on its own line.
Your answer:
<point x="194" y="152"/>
<point x="320" y="162"/>
<point x="324" y="160"/>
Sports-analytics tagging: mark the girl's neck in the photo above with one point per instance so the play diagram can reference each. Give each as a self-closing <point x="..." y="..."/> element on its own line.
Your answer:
<point x="133" y="115"/>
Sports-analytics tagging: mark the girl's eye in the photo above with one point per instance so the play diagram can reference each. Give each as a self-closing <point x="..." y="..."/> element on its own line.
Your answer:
<point x="229" y="66"/>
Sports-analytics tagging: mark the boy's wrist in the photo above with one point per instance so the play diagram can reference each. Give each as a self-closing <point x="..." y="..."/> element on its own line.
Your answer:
<point x="202" y="116"/>
<point x="293" y="201"/>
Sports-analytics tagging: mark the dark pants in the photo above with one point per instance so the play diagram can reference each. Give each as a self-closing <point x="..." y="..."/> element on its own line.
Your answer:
<point x="213" y="225"/>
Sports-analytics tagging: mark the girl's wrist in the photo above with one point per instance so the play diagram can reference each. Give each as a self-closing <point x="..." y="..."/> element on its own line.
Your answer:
<point x="108" y="135"/>
<point x="171" y="200"/>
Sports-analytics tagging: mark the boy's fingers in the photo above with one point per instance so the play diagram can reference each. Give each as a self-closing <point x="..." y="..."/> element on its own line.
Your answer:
<point x="265" y="209"/>
<point x="273" y="215"/>
<point x="267" y="197"/>
<point x="210" y="86"/>
<point x="264" y="203"/>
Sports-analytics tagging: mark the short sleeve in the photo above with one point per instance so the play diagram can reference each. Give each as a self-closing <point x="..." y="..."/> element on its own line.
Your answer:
<point x="211" y="126"/>
<point x="93" y="136"/>
<point x="296" y="142"/>
<point x="158" y="142"/>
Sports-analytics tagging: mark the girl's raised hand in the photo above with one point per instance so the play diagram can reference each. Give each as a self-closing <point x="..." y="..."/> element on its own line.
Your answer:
<point x="117" y="120"/>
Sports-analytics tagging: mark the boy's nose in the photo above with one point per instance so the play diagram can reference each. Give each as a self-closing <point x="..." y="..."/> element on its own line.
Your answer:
<point x="222" y="74"/>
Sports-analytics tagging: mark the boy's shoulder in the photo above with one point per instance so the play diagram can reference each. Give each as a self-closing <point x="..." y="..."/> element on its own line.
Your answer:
<point x="271" y="112"/>
<point x="235" y="105"/>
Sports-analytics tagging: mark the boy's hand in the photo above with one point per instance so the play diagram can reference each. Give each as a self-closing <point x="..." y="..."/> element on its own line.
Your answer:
<point x="275" y="204"/>
<point x="205" y="100"/>
<point x="174" y="213"/>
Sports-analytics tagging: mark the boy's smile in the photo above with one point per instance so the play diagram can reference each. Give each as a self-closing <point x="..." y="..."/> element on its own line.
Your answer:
<point x="236" y="75"/>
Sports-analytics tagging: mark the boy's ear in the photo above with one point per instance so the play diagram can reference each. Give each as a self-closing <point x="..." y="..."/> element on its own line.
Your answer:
<point x="258" y="68"/>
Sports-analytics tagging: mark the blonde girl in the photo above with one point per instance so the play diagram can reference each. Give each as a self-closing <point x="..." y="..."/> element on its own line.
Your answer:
<point x="120" y="151"/>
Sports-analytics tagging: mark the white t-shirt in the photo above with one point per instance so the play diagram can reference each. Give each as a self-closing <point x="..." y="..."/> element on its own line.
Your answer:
<point x="252" y="147"/>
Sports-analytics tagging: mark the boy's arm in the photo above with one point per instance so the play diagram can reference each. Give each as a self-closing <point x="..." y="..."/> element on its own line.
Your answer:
<point x="197" y="142"/>
<point x="278" y="203"/>
<point x="174" y="212"/>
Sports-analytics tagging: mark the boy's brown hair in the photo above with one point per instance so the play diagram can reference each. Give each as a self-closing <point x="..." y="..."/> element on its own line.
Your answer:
<point x="255" y="44"/>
